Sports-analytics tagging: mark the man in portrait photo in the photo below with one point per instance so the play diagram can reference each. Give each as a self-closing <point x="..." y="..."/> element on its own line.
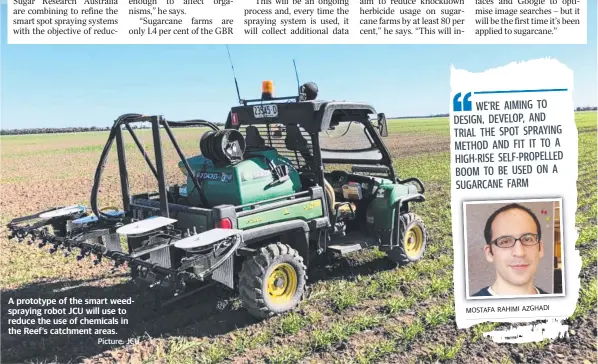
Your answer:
<point x="514" y="246"/>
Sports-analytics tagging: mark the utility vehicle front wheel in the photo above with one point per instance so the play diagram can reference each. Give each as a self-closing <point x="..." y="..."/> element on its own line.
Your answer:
<point x="413" y="238"/>
<point x="272" y="281"/>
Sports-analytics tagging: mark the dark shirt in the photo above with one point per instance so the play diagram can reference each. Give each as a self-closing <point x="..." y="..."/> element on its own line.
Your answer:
<point x="484" y="292"/>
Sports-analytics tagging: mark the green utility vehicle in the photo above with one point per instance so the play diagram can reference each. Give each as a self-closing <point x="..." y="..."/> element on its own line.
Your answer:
<point x="287" y="180"/>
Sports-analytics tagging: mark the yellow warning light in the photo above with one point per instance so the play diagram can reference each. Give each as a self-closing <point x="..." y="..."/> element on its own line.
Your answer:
<point x="267" y="89"/>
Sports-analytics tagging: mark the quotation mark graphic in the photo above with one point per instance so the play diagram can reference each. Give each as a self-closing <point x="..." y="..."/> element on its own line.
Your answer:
<point x="464" y="105"/>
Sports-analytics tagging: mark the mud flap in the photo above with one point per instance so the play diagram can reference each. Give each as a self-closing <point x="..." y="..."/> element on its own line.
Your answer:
<point x="225" y="273"/>
<point x="113" y="242"/>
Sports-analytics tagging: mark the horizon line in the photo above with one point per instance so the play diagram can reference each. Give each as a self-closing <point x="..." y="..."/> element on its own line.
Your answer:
<point x="587" y="108"/>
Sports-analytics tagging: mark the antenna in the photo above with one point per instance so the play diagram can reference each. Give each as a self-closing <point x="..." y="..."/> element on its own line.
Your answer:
<point x="234" y="76"/>
<point x="297" y="76"/>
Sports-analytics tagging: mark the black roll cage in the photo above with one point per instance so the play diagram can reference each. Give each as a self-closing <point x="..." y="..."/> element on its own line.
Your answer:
<point x="318" y="159"/>
<point x="386" y="161"/>
<point x="315" y="116"/>
<point x="116" y="132"/>
<point x="377" y="141"/>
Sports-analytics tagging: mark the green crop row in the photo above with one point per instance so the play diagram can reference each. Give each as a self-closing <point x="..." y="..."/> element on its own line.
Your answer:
<point x="378" y="285"/>
<point x="324" y="338"/>
<point x="376" y="351"/>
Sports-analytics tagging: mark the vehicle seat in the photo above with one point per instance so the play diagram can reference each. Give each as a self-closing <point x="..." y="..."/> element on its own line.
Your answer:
<point x="343" y="209"/>
<point x="253" y="139"/>
<point x="296" y="142"/>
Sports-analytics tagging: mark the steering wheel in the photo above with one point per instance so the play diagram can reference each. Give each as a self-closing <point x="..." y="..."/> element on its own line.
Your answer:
<point x="338" y="176"/>
<point x="303" y="169"/>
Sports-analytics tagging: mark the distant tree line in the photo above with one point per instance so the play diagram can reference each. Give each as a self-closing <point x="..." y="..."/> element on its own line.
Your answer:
<point x="107" y="128"/>
<point x="419" y="116"/>
<point x="586" y="108"/>
<point x="76" y="129"/>
<point x="52" y="130"/>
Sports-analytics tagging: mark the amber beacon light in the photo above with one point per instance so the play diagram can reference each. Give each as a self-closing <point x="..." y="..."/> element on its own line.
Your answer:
<point x="267" y="89"/>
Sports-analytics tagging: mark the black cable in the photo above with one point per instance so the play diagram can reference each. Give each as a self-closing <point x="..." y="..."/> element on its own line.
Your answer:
<point x="102" y="164"/>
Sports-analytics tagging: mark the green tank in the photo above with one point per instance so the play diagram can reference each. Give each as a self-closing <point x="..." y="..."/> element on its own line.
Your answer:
<point x="248" y="181"/>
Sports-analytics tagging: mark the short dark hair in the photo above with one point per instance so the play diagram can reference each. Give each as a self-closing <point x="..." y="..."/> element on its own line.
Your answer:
<point x="488" y="228"/>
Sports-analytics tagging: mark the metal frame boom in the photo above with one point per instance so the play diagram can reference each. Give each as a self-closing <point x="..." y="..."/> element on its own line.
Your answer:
<point x="156" y="121"/>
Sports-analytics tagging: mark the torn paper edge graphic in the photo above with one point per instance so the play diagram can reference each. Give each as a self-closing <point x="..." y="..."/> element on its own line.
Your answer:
<point x="539" y="74"/>
<point x="553" y="329"/>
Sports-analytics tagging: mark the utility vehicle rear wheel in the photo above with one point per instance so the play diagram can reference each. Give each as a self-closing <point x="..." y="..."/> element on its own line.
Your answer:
<point x="272" y="281"/>
<point x="412" y="241"/>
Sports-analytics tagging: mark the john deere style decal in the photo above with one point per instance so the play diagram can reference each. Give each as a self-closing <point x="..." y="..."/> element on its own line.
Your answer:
<point x="214" y="176"/>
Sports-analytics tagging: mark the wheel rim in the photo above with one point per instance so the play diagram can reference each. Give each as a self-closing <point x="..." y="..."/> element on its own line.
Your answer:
<point x="414" y="241"/>
<point x="282" y="283"/>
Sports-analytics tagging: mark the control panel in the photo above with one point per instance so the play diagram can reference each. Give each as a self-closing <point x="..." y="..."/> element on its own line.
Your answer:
<point x="350" y="187"/>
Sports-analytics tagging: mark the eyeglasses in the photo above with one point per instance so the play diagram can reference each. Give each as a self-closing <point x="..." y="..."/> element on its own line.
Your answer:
<point x="509" y="241"/>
